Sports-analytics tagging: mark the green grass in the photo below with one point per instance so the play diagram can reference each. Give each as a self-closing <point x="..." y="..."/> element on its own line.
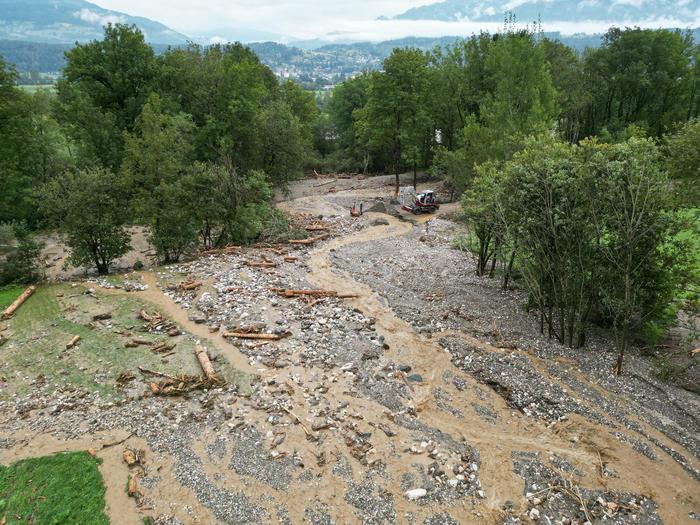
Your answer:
<point x="55" y="314"/>
<point x="9" y="294"/>
<point x="53" y="490"/>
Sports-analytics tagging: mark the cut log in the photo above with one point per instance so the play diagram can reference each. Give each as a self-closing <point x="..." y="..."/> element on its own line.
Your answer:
<point x="290" y="258"/>
<point x="204" y="362"/>
<point x="310" y="240"/>
<point x="73" y="342"/>
<point x="10" y="310"/>
<point x="243" y="335"/>
<point x="261" y="264"/>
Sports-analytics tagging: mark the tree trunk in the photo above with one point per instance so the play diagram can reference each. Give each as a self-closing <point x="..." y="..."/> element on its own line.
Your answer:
<point x="415" y="177"/>
<point x="497" y="245"/>
<point x="509" y="269"/>
<point x="396" y="190"/>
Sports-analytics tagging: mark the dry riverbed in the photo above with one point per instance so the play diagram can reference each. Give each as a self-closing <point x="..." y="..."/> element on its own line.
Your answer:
<point x="424" y="396"/>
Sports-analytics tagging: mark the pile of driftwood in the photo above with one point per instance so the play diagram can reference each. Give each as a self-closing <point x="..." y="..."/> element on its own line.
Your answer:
<point x="189" y="283"/>
<point x="314" y="294"/>
<point x="175" y="385"/>
<point x="157" y="323"/>
<point x="10" y="310"/>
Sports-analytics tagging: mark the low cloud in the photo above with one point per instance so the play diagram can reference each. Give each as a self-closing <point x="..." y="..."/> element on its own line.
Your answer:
<point x="336" y="20"/>
<point x="100" y="19"/>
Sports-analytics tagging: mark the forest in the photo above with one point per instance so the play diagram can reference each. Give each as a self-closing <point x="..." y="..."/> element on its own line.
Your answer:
<point x="579" y="173"/>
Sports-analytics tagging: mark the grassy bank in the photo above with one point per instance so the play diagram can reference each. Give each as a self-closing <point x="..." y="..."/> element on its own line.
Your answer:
<point x="52" y="490"/>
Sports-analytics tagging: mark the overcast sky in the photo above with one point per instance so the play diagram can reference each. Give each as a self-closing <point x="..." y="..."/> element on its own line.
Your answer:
<point x="306" y="19"/>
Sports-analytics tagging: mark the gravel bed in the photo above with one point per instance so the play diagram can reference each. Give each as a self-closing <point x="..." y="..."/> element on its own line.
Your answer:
<point x="479" y="307"/>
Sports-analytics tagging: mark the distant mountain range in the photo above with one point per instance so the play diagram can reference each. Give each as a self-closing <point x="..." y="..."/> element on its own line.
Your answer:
<point x="34" y="34"/>
<point x="70" y="21"/>
<point x="617" y="11"/>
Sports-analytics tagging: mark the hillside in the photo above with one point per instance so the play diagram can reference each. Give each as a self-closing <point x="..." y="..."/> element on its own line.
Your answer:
<point x="70" y="21"/>
<point x="554" y="10"/>
<point x="327" y="64"/>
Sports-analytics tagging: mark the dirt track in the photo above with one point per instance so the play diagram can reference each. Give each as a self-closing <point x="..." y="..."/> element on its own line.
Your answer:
<point x="373" y="428"/>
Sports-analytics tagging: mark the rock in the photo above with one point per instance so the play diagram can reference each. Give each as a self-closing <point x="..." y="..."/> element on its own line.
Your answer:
<point x="414" y="494"/>
<point x="198" y="317"/>
<point x="404" y="368"/>
<point x="415" y="378"/>
<point x="380" y="222"/>
<point x="534" y="514"/>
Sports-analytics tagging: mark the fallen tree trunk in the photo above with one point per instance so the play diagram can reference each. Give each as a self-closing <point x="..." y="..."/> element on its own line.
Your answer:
<point x="206" y="365"/>
<point x="73" y="342"/>
<point x="310" y="240"/>
<point x="10" y="310"/>
<point x="243" y="335"/>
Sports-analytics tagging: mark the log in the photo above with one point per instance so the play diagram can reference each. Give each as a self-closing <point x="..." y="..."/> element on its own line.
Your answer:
<point x="290" y="258"/>
<point x="325" y="183"/>
<point x="10" y="310"/>
<point x="73" y="342"/>
<point x="310" y="240"/>
<point x="204" y="362"/>
<point x="132" y="487"/>
<point x="311" y="293"/>
<point x="242" y="335"/>
<point x="261" y="264"/>
<point x="316" y="228"/>
<point x="190" y="285"/>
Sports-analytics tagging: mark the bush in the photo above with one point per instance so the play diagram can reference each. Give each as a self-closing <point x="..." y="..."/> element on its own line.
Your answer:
<point x="277" y="228"/>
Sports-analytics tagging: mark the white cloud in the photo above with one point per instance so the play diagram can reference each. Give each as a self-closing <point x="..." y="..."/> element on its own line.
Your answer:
<point x="91" y="17"/>
<point x="635" y="3"/>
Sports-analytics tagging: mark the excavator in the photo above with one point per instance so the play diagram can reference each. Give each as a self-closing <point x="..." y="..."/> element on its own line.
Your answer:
<point x="425" y="202"/>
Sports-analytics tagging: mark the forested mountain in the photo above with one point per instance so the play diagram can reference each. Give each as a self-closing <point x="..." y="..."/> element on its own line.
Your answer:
<point x="555" y="10"/>
<point x="70" y="21"/>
